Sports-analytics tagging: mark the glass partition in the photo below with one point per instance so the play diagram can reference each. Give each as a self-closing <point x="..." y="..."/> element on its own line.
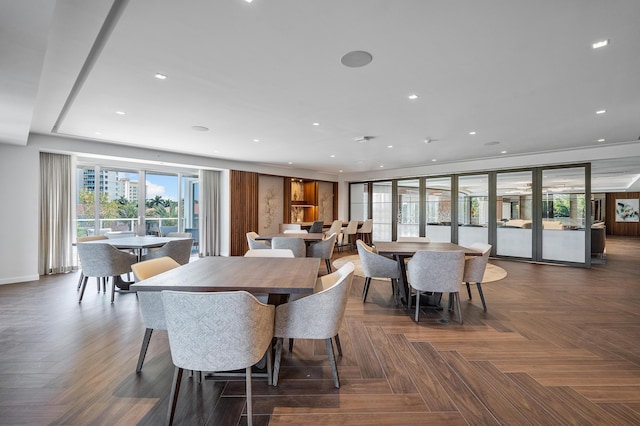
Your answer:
<point x="473" y="209"/>
<point x="563" y="214"/>
<point x="513" y="210"/>
<point x="382" y="211"/>
<point x="408" y="208"/>
<point x="438" y="209"/>
<point x="359" y="201"/>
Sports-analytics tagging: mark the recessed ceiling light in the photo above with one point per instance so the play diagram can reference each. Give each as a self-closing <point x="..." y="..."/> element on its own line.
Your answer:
<point x="120" y="112"/>
<point x="200" y="128"/>
<point x="434" y="160"/>
<point x="381" y="165"/>
<point x="332" y="156"/>
<point x="601" y="43"/>
<point x="316" y="124"/>
<point x="98" y="133"/>
<point x="472" y="133"/>
<point x="413" y="96"/>
<point x="256" y="140"/>
<point x="248" y="1"/>
<point x="340" y="171"/>
<point x="503" y="152"/>
<point x="160" y="76"/>
<point x="602" y="111"/>
<point x="356" y="59"/>
<point x="389" y="146"/>
<point x="600" y="140"/>
<point x="290" y="162"/>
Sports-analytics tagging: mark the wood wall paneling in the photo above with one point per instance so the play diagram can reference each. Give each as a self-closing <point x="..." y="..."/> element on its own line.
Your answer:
<point x="244" y="208"/>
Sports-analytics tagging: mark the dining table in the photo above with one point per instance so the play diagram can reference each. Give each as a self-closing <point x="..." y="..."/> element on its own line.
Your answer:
<point x="279" y="277"/>
<point x="400" y="250"/>
<point x="136" y="243"/>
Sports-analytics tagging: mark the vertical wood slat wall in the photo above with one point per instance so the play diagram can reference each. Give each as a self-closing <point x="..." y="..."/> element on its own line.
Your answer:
<point x="631" y="229"/>
<point x="244" y="209"/>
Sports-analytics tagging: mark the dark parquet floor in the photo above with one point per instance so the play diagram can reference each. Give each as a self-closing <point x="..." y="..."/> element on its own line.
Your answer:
<point x="558" y="345"/>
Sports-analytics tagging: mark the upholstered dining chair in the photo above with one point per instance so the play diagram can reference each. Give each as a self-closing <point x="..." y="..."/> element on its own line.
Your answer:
<point x="178" y="250"/>
<point x="284" y="226"/>
<point x="218" y="331"/>
<point x="365" y="231"/>
<point x="336" y="228"/>
<point x="255" y="244"/>
<point x="324" y="250"/>
<point x="84" y="240"/>
<point x="438" y="272"/>
<point x="317" y="316"/>
<point x="296" y="245"/>
<point x="103" y="260"/>
<point x="150" y="301"/>
<point x="179" y="234"/>
<point x="376" y="266"/>
<point x="316" y="227"/>
<point x="295" y="231"/>
<point x="474" y="267"/>
<point x="350" y="233"/>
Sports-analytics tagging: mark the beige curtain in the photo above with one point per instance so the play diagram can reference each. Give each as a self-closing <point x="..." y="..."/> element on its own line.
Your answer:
<point x="56" y="209"/>
<point x="209" y="212"/>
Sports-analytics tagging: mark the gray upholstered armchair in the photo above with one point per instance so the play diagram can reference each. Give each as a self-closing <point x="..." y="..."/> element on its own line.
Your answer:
<point x="324" y="250"/>
<point x="317" y="316"/>
<point x="178" y="250"/>
<point x="255" y="244"/>
<point x="219" y="331"/>
<point x="474" y="267"/>
<point x="103" y="260"/>
<point x="296" y="245"/>
<point x="438" y="272"/>
<point x="376" y="266"/>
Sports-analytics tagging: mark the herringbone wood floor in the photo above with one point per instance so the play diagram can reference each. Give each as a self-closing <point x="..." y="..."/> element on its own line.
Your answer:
<point x="558" y="345"/>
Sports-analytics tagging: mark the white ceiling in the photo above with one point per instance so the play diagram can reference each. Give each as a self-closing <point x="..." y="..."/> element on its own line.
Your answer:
<point x="522" y="74"/>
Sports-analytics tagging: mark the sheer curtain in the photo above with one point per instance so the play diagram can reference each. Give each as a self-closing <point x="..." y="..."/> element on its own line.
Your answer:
<point x="56" y="207"/>
<point x="209" y="212"/>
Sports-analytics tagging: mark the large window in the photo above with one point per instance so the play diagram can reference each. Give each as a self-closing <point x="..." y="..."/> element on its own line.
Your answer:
<point x="359" y="199"/>
<point x="473" y="209"/>
<point x="382" y="211"/>
<point x="513" y="210"/>
<point x="438" y="209"/>
<point x="408" y="208"/>
<point x="563" y="214"/>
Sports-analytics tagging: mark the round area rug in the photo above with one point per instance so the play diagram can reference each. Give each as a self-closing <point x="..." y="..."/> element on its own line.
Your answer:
<point x="492" y="273"/>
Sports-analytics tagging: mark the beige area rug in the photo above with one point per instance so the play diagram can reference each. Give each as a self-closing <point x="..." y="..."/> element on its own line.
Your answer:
<point x="492" y="273"/>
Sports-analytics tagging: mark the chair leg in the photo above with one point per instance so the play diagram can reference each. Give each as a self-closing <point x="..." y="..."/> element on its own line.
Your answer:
<point x="365" y="291"/>
<point x="173" y="396"/>
<point x="276" y="362"/>
<point x="457" y="297"/>
<point x="484" y="305"/>
<point x="249" y="407"/>
<point x="417" y="304"/>
<point x="328" y="263"/>
<point x="143" y="349"/>
<point x="80" y="281"/>
<point x="338" y="346"/>
<point x="113" y="289"/>
<point x="290" y="344"/>
<point x="269" y="366"/>
<point x="82" y="287"/>
<point x="469" y="290"/>
<point x="332" y="361"/>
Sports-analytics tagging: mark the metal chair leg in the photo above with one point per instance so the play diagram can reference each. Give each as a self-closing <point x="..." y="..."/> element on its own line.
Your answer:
<point x="469" y="290"/>
<point x="332" y="361"/>
<point x="143" y="349"/>
<point x="173" y="396"/>
<point x="338" y="346"/>
<point x="276" y="362"/>
<point x="249" y="405"/>
<point x="417" y="304"/>
<point x="457" y="297"/>
<point x="484" y="305"/>
<point x="365" y="291"/>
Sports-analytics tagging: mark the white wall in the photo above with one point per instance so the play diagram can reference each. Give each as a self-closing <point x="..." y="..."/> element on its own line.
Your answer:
<point x="20" y="177"/>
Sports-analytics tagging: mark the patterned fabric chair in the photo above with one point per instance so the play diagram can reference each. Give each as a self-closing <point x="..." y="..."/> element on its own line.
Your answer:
<point x="317" y="316"/>
<point x="438" y="272"/>
<point x="324" y="250"/>
<point x="178" y="250"/>
<point x="255" y="244"/>
<point x="219" y="331"/>
<point x="150" y="301"/>
<point x="376" y="266"/>
<point x="103" y="260"/>
<point x="474" y="267"/>
<point x="84" y="240"/>
<point x="296" y="245"/>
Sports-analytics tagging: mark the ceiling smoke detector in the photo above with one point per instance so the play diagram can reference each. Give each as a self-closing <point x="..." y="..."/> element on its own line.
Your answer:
<point x="362" y="139"/>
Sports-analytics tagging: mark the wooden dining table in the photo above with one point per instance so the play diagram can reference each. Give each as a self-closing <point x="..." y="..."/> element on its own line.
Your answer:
<point x="402" y="250"/>
<point x="279" y="277"/>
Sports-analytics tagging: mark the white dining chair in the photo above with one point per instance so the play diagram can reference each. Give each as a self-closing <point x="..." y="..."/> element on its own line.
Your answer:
<point x="295" y="231"/>
<point x="255" y="244"/>
<point x="269" y="253"/>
